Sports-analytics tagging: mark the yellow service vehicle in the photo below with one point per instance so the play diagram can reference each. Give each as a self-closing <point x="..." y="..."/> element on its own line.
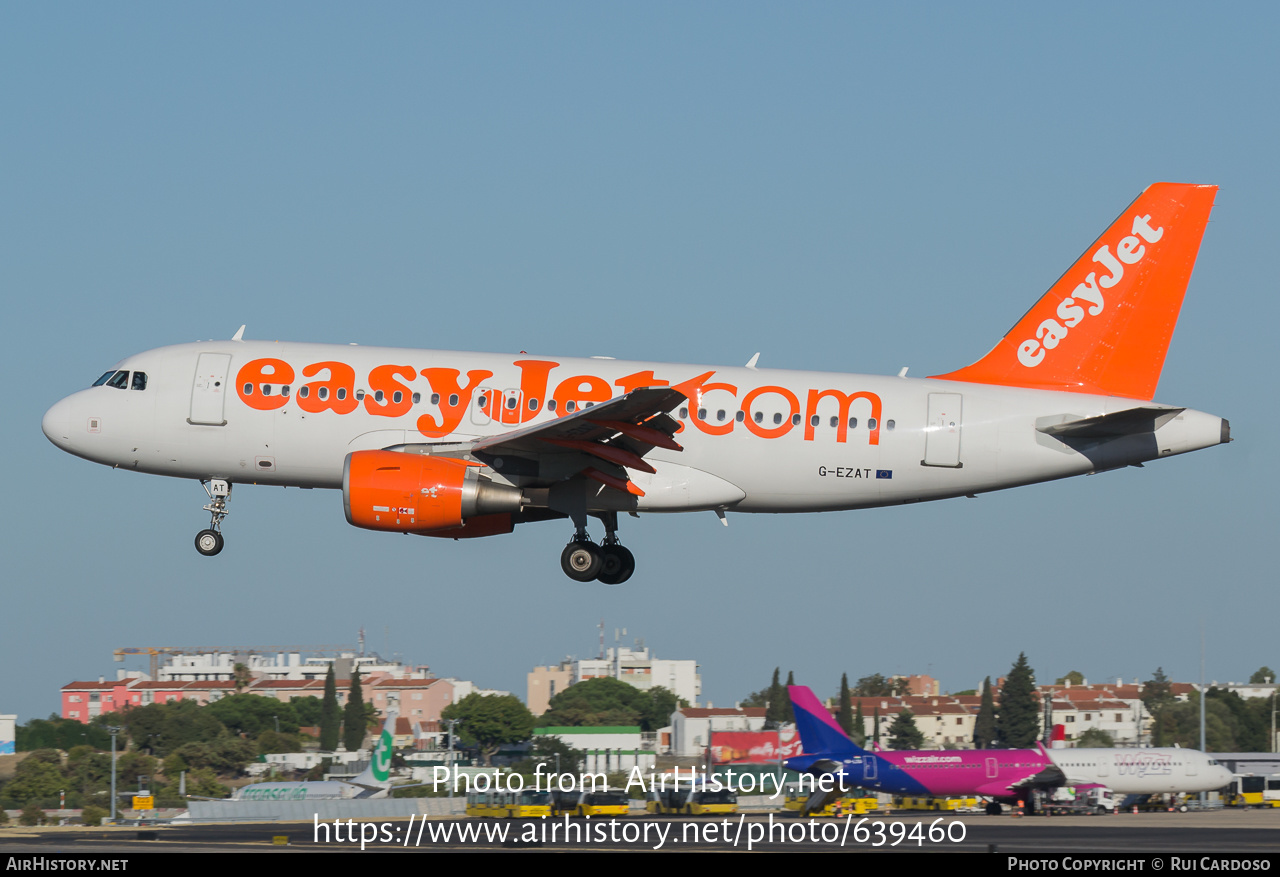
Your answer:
<point x="589" y="803"/>
<point x="857" y="802"/>
<point x="685" y="800"/>
<point x="1254" y="791"/>
<point x="509" y="805"/>
<point x="956" y="803"/>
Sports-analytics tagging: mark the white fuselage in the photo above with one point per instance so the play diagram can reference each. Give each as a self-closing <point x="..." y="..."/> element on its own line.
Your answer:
<point x="755" y="440"/>
<point x="1142" y="771"/>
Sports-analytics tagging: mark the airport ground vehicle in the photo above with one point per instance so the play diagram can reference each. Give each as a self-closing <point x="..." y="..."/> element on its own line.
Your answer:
<point x="858" y="802"/>
<point x="1072" y="799"/>
<point x="1250" y="790"/>
<point x="588" y="803"/>
<point x="953" y="803"/>
<point x="457" y="444"/>
<point x="687" y="800"/>
<point x="509" y="805"/>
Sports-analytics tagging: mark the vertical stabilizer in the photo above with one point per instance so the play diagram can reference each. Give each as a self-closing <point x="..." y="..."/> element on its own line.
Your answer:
<point x="378" y="774"/>
<point x="1104" y="327"/>
<point x="819" y="733"/>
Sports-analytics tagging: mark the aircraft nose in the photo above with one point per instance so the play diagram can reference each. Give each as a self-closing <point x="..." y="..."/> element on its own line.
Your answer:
<point x="56" y="424"/>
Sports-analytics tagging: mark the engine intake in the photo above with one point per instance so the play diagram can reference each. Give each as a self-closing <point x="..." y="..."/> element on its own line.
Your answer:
<point x="416" y="493"/>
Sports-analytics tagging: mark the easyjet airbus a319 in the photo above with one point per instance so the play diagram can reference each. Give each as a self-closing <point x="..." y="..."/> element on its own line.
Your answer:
<point x="460" y="445"/>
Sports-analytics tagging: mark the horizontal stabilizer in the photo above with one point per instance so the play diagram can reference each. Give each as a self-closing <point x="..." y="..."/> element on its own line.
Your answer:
<point x="1131" y="421"/>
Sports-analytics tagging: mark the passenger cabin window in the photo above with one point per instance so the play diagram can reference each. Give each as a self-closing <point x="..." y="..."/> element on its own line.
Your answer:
<point x="139" y="381"/>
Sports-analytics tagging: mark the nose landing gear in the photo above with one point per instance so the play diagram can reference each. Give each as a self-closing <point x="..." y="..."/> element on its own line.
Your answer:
<point x="611" y="563"/>
<point x="209" y="542"/>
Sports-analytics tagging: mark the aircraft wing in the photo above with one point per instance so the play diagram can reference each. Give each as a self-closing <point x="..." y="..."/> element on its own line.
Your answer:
<point x="617" y="433"/>
<point x="1047" y="777"/>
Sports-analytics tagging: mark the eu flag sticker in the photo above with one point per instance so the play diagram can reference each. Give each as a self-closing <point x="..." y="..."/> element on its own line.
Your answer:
<point x="884" y="473"/>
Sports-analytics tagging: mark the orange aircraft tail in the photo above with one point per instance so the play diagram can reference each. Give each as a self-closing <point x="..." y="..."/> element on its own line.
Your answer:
<point x="1104" y="327"/>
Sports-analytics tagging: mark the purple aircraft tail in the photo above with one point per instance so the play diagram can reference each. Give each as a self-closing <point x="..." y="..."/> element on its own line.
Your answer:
<point x="819" y="733"/>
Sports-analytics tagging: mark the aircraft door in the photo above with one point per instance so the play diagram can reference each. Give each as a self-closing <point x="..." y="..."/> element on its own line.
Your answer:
<point x="993" y="771"/>
<point x="511" y="402"/>
<point x="209" y="389"/>
<point x="869" y="767"/>
<point x="482" y="406"/>
<point x="942" y="431"/>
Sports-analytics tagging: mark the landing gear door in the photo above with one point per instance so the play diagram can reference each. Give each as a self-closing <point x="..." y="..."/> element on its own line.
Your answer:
<point x="209" y="390"/>
<point x="942" y="432"/>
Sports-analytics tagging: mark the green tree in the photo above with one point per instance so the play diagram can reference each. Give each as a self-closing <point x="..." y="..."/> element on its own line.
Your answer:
<point x="608" y="701"/>
<point x="775" y="715"/>
<point x="1157" y="697"/>
<point x="249" y="715"/>
<point x="1263" y="676"/>
<point x="1075" y="677"/>
<point x="56" y="732"/>
<point x="491" y="721"/>
<point x="844" y="716"/>
<point x="903" y="733"/>
<point x="984" y="725"/>
<point x="354" y="718"/>
<point x="874" y="685"/>
<point x="875" y="728"/>
<point x="306" y="711"/>
<point x="789" y="715"/>
<point x="1095" y="738"/>
<point x="859" y="732"/>
<point x="241" y="677"/>
<point x="1018" y="723"/>
<point x="36" y="781"/>
<point x="329" y="715"/>
<point x="544" y="750"/>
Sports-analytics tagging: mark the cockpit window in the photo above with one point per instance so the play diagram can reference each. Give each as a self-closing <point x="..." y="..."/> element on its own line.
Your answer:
<point x="139" y="381"/>
<point x="102" y="380"/>
<point x="119" y="380"/>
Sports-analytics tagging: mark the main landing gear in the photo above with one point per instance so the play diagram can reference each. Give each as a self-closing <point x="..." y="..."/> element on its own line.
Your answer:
<point x="611" y="563"/>
<point x="209" y="542"/>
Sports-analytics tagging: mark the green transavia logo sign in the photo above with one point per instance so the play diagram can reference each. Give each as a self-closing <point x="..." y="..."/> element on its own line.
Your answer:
<point x="382" y="758"/>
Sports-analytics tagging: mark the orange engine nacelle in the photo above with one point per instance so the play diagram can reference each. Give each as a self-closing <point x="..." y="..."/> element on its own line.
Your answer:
<point x="416" y="493"/>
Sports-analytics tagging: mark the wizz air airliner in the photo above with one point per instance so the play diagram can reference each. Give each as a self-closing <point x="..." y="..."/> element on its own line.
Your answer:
<point x="1003" y="775"/>
<point x="462" y="445"/>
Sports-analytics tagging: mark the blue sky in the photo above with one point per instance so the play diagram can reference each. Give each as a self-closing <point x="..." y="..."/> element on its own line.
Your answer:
<point x="843" y="187"/>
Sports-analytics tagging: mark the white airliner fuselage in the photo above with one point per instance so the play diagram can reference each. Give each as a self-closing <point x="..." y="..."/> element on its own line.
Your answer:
<point x="1142" y="771"/>
<point x="461" y="444"/>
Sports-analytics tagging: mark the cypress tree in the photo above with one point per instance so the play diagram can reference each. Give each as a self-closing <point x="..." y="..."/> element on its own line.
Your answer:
<point x="789" y="713"/>
<point x="775" y="714"/>
<point x="353" y="720"/>
<point x="845" y="716"/>
<point x="1018" y="724"/>
<point x="859" y="734"/>
<point x="329" y="716"/>
<point x="984" y="726"/>
<point x="904" y="734"/>
<point x="875" y="727"/>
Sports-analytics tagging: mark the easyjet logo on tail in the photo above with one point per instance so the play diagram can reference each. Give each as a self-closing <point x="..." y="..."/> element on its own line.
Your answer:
<point x="1104" y="326"/>
<point x="1071" y="311"/>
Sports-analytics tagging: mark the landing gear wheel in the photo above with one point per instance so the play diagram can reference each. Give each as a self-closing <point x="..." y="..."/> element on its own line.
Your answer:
<point x="582" y="561"/>
<point x="208" y="542"/>
<point x="619" y="564"/>
<point x="993" y="809"/>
